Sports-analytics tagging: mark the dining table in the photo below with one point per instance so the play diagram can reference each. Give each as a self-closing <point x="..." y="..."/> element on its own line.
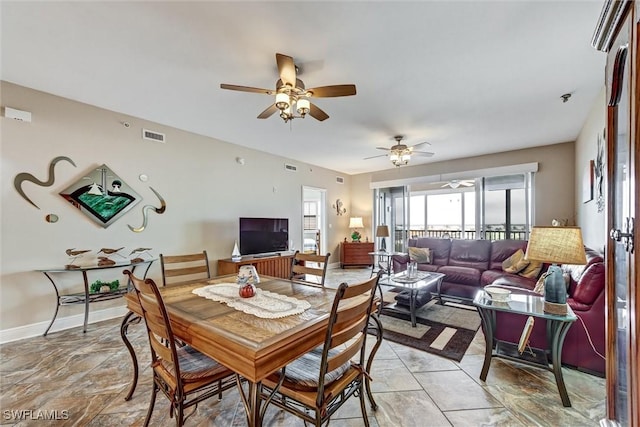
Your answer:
<point x="251" y="346"/>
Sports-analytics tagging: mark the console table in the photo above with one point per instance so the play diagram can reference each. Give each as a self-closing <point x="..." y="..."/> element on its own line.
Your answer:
<point x="356" y="254"/>
<point x="526" y="305"/>
<point x="274" y="266"/>
<point x="87" y="297"/>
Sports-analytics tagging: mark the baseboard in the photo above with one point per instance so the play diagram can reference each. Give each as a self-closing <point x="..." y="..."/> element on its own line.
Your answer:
<point x="61" y="323"/>
<point x="333" y="266"/>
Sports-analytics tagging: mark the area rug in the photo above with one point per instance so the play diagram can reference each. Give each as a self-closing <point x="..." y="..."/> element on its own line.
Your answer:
<point x="446" y="330"/>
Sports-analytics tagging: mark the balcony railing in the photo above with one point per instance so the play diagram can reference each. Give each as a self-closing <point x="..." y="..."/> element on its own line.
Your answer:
<point x="459" y="234"/>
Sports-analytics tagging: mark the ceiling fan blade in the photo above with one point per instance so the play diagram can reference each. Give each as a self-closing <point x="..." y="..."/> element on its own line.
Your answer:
<point x="332" y="91"/>
<point x="374" y="157"/>
<point x="467" y="184"/>
<point x="383" y="148"/>
<point x="268" y="112"/>
<point x="317" y="113"/>
<point x="420" y="143"/>
<point x="246" y="89"/>
<point x="287" y="69"/>
<point x="422" y="153"/>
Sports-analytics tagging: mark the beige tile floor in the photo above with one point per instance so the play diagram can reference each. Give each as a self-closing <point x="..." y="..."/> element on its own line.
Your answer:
<point x="88" y="376"/>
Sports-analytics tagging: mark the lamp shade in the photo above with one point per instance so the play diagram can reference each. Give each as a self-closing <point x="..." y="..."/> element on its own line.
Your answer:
<point x="355" y="222"/>
<point x="382" y="231"/>
<point x="556" y="245"/>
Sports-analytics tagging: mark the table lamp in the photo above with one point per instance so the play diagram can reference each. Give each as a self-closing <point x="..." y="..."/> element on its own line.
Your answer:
<point x="382" y="231"/>
<point x="355" y="222"/>
<point x="556" y="245"/>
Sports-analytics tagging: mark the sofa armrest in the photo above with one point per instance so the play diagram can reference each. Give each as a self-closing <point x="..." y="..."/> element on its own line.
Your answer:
<point x="400" y="262"/>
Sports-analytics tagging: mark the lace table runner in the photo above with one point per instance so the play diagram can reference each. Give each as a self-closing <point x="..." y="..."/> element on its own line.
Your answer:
<point x="264" y="304"/>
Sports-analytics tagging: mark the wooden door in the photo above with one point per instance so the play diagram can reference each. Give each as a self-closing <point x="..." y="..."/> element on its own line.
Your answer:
<point x="617" y="34"/>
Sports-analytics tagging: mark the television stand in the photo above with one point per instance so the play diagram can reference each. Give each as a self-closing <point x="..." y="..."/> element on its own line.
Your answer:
<point x="267" y="255"/>
<point x="278" y="265"/>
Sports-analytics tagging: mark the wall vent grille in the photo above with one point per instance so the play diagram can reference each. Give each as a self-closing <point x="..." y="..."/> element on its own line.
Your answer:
<point x="290" y="167"/>
<point x="339" y="180"/>
<point x="152" y="135"/>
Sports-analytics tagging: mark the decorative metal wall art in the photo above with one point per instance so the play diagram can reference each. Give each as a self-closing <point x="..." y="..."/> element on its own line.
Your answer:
<point x="24" y="176"/>
<point x="338" y="207"/>
<point x="599" y="172"/>
<point x="101" y="195"/>
<point x="146" y="208"/>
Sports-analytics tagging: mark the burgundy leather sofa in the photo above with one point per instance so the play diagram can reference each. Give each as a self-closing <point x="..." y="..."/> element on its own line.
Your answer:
<point x="469" y="265"/>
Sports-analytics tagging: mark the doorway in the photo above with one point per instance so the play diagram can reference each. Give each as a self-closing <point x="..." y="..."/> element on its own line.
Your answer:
<point x="313" y="220"/>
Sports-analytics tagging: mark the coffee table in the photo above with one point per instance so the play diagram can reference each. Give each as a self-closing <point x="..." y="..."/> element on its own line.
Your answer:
<point x="420" y="280"/>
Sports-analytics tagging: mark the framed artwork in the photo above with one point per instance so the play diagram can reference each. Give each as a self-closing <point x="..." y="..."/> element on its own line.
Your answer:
<point x="101" y="195"/>
<point x="588" y="182"/>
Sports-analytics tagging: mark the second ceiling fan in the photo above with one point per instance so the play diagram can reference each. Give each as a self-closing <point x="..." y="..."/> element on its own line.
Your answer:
<point x="400" y="153"/>
<point x="292" y="97"/>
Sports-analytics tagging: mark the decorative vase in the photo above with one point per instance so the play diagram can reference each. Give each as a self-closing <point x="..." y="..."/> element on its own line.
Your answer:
<point x="555" y="291"/>
<point x="247" y="290"/>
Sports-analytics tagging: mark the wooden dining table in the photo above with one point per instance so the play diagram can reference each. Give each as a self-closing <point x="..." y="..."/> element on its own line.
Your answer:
<point x="251" y="346"/>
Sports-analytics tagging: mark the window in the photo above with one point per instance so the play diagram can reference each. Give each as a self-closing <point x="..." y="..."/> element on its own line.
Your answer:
<point x="310" y="215"/>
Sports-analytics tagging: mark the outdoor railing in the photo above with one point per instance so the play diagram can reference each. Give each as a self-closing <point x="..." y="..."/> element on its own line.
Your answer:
<point x="467" y="234"/>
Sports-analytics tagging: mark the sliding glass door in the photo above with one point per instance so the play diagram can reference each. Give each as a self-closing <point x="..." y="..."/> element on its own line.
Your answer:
<point x="392" y="208"/>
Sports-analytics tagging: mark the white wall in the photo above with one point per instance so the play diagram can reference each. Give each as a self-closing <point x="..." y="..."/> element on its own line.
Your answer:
<point x="592" y="222"/>
<point x="206" y="191"/>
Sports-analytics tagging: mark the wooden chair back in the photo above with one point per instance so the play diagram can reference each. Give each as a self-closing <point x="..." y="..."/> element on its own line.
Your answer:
<point x="309" y="268"/>
<point x="161" y="340"/>
<point x="183" y="268"/>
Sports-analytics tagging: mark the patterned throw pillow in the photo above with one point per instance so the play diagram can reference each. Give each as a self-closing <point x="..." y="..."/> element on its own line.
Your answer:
<point x="420" y="255"/>
<point x="515" y="263"/>
<point x="532" y="270"/>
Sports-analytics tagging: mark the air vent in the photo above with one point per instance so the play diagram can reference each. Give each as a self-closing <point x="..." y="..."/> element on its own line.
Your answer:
<point x="290" y="168"/>
<point x="339" y="180"/>
<point x="152" y="135"/>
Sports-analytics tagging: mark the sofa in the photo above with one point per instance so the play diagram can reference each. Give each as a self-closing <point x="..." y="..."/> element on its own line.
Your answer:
<point x="470" y="265"/>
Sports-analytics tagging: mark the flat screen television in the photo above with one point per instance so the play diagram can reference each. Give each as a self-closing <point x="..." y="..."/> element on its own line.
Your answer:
<point x="263" y="235"/>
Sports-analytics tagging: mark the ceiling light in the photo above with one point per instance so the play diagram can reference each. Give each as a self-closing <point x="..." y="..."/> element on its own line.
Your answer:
<point x="303" y="106"/>
<point x="282" y="101"/>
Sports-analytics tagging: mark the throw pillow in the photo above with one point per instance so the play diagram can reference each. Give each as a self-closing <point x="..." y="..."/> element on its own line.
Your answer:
<point x="515" y="263"/>
<point x="420" y="255"/>
<point x="532" y="270"/>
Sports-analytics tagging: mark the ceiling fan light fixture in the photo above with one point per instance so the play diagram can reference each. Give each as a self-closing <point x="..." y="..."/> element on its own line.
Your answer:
<point x="283" y="101"/>
<point x="406" y="156"/>
<point x="303" y="106"/>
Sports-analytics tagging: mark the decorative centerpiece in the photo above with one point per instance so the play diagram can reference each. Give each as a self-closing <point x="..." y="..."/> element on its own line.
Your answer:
<point x="247" y="278"/>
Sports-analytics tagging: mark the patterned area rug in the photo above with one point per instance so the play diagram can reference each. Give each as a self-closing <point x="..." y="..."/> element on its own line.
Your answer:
<point x="446" y="330"/>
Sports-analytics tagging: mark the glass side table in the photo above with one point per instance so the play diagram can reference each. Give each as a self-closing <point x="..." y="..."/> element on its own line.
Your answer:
<point x="526" y="305"/>
<point x="381" y="261"/>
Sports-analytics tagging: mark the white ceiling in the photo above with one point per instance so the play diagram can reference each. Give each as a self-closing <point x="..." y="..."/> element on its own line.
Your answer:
<point x="471" y="78"/>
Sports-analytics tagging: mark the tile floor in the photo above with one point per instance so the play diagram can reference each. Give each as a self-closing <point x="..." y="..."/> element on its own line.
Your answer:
<point x="87" y="375"/>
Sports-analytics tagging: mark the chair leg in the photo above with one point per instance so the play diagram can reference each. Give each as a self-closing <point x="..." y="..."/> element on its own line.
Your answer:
<point x="363" y="407"/>
<point x="180" y="415"/>
<point x="151" y="404"/>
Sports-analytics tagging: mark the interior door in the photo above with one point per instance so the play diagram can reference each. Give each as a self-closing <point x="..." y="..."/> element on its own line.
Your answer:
<point x="392" y="209"/>
<point x="622" y="211"/>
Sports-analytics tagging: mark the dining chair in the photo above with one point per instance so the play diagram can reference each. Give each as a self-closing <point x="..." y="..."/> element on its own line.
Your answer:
<point x="314" y="386"/>
<point x="183" y="374"/>
<point x="309" y="268"/>
<point x="182" y="268"/>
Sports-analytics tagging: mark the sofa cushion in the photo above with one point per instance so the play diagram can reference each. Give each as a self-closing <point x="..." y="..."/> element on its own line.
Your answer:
<point x="439" y="248"/>
<point x="591" y="284"/>
<point x="576" y="271"/>
<point x="496" y="277"/>
<point x="503" y="249"/>
<point x="470" y="253"/>
<point x="531" y="271"/>
<point x="515" y="263"/>
<point x="462" y="275"/>
<point x="428" y="267"/>
<point x="420" y="255"/>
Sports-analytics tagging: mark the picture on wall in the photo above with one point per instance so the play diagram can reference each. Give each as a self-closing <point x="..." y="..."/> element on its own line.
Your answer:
<point x="101" y="195"/>
<point x="588" y="182"/>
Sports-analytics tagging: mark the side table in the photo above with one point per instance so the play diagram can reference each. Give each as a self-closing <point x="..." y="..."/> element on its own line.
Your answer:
<point x="87" y="297"/>
<point x="382" y="260"/>
<point x="526" y="305"/>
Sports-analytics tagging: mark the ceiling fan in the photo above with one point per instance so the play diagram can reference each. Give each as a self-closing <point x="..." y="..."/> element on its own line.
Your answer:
<point x="400" y="154"/>
<point x="455" y="183"/>
<point x="291" y="95"/>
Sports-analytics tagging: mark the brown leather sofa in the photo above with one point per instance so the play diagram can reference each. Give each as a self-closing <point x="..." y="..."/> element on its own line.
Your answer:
<point x="469" y="265"/>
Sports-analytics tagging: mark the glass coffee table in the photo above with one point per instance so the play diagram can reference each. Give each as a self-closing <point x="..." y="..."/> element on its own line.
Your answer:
<point x="418" y="281"/>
